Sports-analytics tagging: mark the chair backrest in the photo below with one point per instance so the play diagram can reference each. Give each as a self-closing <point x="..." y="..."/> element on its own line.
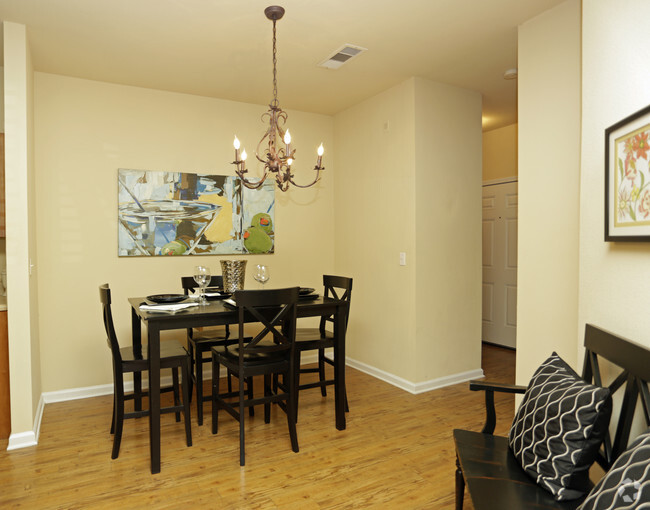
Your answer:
<point x="276" y="310"/>
<point x="337" y="287"/>
<point x="189" y="285"/>
<point x="111" y="337"/>
<point x="632" y="382"/>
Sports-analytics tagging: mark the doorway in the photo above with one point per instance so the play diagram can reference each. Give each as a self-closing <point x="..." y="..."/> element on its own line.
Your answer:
<point x="500" y="262"/>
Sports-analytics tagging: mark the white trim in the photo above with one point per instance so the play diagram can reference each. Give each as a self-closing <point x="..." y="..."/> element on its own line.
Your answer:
<point x="39" y="418"/>
<point x="22" y="440"/>
<point x="78" y="393"/>
<point x="411" y="387"/>
<point x="30" y="437"/>
<point x="503" y="180"/>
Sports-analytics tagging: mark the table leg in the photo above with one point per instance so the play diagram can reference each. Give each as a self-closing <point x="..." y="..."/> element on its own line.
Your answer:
<point x="339" y="366"/>
<point x="154" y="397"/>
<point x="136" y="341"/>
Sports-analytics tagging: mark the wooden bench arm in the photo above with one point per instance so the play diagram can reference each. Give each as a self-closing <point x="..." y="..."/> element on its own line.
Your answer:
<point x="489" y="388"/>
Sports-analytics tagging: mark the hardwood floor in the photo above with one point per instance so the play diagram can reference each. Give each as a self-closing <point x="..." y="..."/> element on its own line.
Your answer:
<point x="397" y="452"/>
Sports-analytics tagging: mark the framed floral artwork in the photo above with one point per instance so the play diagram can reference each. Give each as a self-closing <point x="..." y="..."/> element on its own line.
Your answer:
<point x="627" y="178"/>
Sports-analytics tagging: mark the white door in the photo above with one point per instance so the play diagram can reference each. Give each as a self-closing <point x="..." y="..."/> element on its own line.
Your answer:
<point x="500" y="263"/>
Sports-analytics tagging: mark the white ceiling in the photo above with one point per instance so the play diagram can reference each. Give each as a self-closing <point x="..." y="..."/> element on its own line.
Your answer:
<point x="222" y="48"/>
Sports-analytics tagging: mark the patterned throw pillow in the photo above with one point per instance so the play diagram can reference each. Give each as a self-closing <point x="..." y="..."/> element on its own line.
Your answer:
<point x="559" y="427"/>
<point x="627" y="483"/>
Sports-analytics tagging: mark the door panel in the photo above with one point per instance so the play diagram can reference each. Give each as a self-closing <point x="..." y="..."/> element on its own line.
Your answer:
<point x="500" y="264"/>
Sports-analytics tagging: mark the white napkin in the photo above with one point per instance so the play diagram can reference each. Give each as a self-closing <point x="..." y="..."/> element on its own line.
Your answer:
<point x="169" y="308"/>
<point x="230" y="301"/>
<point x="197" y="295"/>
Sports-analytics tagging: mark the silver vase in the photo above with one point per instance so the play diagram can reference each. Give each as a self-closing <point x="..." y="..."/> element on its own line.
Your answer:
<point x="233" y="272"/>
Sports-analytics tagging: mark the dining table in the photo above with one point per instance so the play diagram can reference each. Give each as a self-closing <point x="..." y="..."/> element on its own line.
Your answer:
<point x="214" y="313"/>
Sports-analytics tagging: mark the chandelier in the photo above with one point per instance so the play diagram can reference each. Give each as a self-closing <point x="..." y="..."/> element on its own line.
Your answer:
<point x="276" y="155"/>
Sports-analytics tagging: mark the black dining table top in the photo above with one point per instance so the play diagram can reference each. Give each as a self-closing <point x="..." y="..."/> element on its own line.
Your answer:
<point x="220" y="308"/>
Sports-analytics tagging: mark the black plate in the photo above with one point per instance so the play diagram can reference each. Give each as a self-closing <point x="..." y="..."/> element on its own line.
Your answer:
<point x="222" y="295"/>
<point x="166" y="298"/>
<point x="308" y="297"/>
<point x="305" y="290"/>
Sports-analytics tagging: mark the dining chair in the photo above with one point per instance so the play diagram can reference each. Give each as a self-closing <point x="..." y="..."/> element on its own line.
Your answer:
<point x="270" y="352"/>
<point x="309" y="339"/>
<point x="200" y="341"/>
<point x="125" y="360"/>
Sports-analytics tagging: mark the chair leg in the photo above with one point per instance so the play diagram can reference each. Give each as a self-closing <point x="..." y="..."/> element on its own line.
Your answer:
<point x="321" y="371"/>
<point x="267" y="393"/>
<point x="321" y="352"/>
<point x="113" y="415"/>
<point x="119" y="415"/>
<point x="190" y="349"/>
<point x="249" y="385"/>
<point x="137" y="390"/>
<point x="199" y="385"/>
<point x="177" y="397"/>
<point x="292" y="406"/>
<point x="215" y="394"/>
<point x="242" y="394"/>
<point x="186" y="400"/>
<point x="296" y="388"/>
<point x="460" y="486"/>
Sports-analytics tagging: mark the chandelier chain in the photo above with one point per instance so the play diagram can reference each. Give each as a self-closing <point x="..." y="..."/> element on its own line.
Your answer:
<point x="274" y="103"/>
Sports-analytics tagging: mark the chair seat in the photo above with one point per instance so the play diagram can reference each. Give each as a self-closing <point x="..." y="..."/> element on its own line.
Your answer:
<point x="494" y="476"/>
<point x="313" y="338"/>
<point x="231" y="353"/>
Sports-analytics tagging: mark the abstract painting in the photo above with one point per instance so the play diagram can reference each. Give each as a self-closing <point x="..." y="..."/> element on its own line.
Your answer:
<point x="178" y="213"/>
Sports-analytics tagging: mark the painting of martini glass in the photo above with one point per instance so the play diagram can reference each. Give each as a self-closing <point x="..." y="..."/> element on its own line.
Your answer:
<point x="178" y="213"/>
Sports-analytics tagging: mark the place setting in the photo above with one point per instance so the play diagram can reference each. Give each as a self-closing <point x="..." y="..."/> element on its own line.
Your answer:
<point x="167" y="303"/>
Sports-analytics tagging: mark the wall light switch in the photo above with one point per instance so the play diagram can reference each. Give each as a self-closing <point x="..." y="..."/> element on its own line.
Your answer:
<point x="402" y="258"/>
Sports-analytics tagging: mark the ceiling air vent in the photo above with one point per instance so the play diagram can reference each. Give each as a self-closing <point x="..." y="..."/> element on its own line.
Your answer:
<point x="341" y="56"/>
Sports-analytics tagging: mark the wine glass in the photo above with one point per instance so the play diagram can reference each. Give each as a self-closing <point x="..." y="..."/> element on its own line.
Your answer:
<point x="262" y="274"/>
<point x="202" y="279"/>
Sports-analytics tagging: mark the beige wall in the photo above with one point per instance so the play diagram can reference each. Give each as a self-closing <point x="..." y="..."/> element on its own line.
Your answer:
<point x="25" y="370"/>
<point x="408" y="182"/>
<point x="613" y="276"/>
<point x="500" y="153"/>
<point x="447" y="230"/>
<point x="549" y="173"/>
<point x="86" y="131"/>
<point x="2" y="99"/>
<point x="375" y="209"/>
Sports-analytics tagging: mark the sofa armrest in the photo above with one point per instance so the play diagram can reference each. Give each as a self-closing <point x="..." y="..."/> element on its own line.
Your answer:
<point x="489" y="388"/>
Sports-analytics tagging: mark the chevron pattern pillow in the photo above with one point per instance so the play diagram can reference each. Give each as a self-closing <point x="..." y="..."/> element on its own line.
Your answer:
<point x="559" y="427"/>
<point x="627" y="483"/>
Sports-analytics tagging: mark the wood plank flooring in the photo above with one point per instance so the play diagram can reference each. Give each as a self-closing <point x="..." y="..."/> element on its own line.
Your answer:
<point x="397" y="452"/>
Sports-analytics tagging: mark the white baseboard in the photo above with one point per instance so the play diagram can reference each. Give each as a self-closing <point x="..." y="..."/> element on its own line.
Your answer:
<point x="22" y="440"/>
<point x="412" y="387"/>
<point x="30" y="438"/>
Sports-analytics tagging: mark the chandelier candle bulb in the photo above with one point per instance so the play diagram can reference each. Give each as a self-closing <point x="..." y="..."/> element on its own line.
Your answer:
<point x="320" y="152"/>
<point x="236" y="145"/>
<point x="287" y="141"/>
